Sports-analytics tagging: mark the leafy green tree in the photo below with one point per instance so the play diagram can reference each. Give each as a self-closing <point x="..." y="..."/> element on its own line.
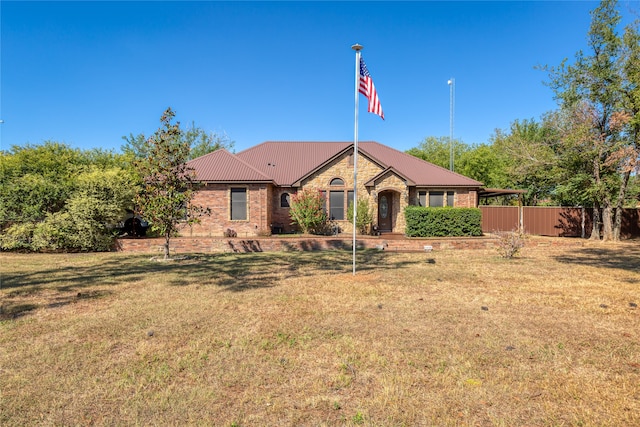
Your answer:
<point x="306" y="210"/>
<point x="486" y="164"/>
<point x="202" y="142"/>
<point x="135" y="146"/>
<point x="528" y="156"/>
<point x="628" y="123"/>
<point x="436" y="150"/>
<point x="480" y="162"/>
<point x="199" y="141"/>
<point x="598" y="95"/>
<point x="168" y="183"/>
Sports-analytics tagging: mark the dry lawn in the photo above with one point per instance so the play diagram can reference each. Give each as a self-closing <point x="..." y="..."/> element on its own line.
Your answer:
<point x="449" y="338"/>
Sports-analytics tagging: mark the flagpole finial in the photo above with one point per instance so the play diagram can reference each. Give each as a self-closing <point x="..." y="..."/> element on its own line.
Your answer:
<point x="357" y="47"/>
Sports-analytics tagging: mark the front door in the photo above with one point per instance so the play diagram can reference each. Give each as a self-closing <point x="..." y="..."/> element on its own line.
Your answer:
<point x="385" y="204"/>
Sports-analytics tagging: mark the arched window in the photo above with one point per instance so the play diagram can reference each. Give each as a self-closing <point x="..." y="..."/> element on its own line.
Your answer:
<point x="285" y="200"/>
<point x="336" y="182"/>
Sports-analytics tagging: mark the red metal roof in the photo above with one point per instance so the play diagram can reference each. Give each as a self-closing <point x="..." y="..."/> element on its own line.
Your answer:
<point x="286" y="162"/>
<point x="422" y="173"/>
<point x="222" y="166"/>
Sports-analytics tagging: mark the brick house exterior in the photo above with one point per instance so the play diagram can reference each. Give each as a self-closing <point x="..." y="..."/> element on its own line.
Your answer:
<point x="248" y="192"/>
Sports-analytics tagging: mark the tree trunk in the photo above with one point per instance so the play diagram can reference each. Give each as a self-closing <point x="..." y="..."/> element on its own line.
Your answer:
<point x="167" y="237"/>
<point x="607" y="223"/>
<point x="595" y="228"/>
<point x="617" y="222"/>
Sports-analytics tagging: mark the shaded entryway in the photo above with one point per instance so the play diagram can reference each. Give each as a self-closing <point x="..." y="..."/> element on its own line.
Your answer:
<point x="385" y="211"/>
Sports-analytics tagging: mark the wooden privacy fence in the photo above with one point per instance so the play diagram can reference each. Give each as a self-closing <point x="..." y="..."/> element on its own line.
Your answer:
<point x="552" y="221"/>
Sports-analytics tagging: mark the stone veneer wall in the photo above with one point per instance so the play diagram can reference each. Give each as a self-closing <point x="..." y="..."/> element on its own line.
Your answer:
<point x="391" y="182"/>
<point x="343" y="168"/>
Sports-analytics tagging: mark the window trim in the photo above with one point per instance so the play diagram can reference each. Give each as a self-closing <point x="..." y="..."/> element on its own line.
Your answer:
<point x="337" y="206"/>
<point x="244" y="190"/>
<point x="421" y="193"/>
<point x="453" y="198"/>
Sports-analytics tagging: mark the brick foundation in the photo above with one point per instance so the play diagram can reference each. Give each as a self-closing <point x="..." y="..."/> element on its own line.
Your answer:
<point x="309" y="243"/>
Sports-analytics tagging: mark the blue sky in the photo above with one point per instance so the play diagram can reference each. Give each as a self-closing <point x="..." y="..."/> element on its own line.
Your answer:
<point x="88" y="73"/>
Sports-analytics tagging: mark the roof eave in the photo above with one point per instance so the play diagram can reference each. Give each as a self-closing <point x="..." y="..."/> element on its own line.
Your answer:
<point x="239" y="182"/>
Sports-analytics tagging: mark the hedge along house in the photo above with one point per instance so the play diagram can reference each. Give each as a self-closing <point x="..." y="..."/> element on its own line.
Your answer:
<point x="249" y="192"/>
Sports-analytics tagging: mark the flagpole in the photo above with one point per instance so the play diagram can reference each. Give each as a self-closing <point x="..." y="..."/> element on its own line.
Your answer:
<point x="357" y="48"/>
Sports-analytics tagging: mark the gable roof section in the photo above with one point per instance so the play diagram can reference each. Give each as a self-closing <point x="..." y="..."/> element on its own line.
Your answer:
<point x="388" y="171"/>
<point x="288" y="162"/>
<point x="420" y="172"/>
<point x="222" y="166"/>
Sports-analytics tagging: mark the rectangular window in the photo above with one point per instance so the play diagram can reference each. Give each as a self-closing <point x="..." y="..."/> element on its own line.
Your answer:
<point x="436" y="199"/>
<point x="422" y="198"/>
<point x="450" y="198"/>
<point x="349" y="198"/>
<point x="336" y="205"/>
<point x="238" y="204"/>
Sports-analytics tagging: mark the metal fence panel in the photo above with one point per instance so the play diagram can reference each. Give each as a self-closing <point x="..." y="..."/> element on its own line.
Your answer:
<point x="553" y="221"/>
<point x="499" y="218"/>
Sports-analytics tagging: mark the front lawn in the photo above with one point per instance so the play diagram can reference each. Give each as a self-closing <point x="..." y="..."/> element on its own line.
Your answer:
<point x="452" y="337"/>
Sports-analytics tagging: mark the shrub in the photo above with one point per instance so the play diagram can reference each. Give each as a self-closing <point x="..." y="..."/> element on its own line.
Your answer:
<point x="54" y="233"/>
<point x="443" y="222"/>
<point x="510" y="243"/>
<point x="364" y="217"/>
<point x="306" y="211"/>
<point x="17" y="237"/>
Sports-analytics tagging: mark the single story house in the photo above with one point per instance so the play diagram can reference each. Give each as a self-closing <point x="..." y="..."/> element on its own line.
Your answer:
<point x="249" y="192"/>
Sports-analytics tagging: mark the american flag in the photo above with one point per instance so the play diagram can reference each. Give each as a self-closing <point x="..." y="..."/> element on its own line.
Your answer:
<point x="369" y="90"/>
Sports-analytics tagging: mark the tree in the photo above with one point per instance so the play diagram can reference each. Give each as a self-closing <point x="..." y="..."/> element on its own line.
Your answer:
<point x="436" y="150"/>
<point x="479" y="162"/>
<point x="629" y="121"/>
<point x="528" y="153"/>
<point x="201" y="142"/>
<point x="486" y="164"/>
<point x="167" y="182"/>
<point x="598" y="93"/>
<point x="197" y="139"/>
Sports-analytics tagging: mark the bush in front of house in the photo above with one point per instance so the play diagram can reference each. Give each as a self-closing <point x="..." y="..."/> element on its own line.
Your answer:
<point x="306" y="211"/>
<point x="364" y="216"/>
<point x="443" y="222"/>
